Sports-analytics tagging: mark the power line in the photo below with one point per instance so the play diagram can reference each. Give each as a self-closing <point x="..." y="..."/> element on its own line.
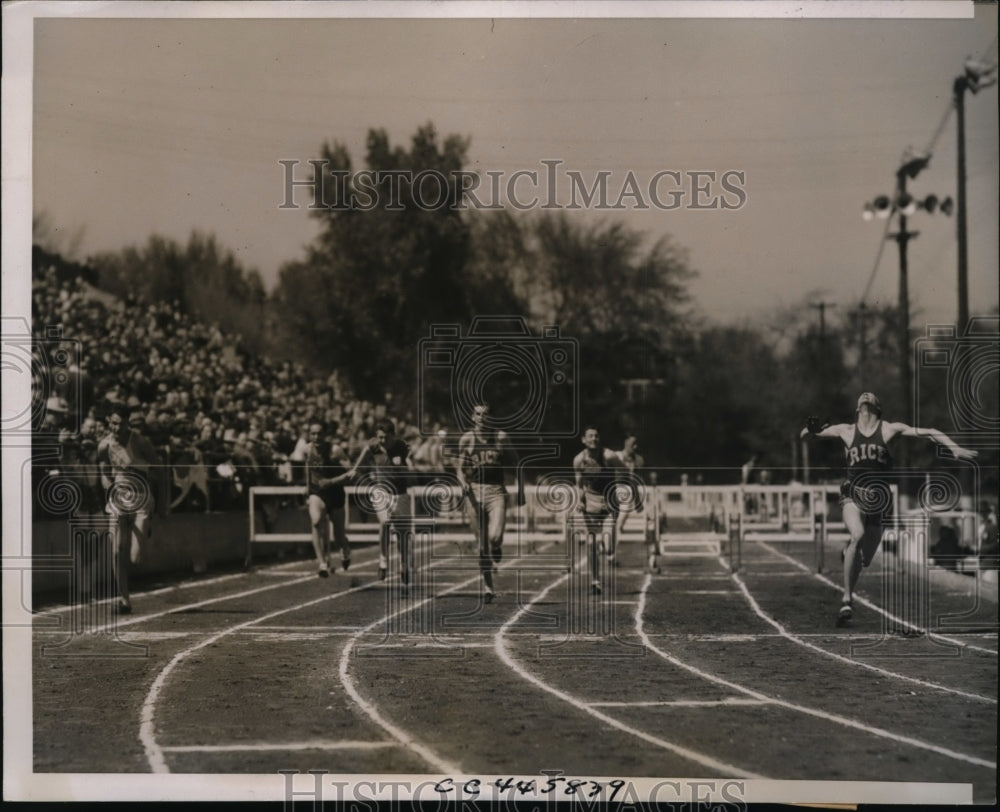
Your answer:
<point x="878" y="258"/>
<point x="949" y="109"/>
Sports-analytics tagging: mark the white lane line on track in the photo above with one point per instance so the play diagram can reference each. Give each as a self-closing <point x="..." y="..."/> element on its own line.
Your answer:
<point x="590" y="637"/>
<point x="865" y="602"/>
<point x="684" y="703"/>
<point x="830" y="717"/>
<point x="725" y="592"/>
<point x="313" y="629"/>
<point x="783" y="632"/>
<point x="271" y="569"/>
<point x="147" y="730"/>
<point x="120" y="622"/>
<point x="369" y="708"/>
<point x="127" y="637"/>
<point x="423" y="643"/>
<point x="265" y="746"/>
<point x="691" y="755"/>
<point x="705" y="577"/>
<point x="752" y="638"/>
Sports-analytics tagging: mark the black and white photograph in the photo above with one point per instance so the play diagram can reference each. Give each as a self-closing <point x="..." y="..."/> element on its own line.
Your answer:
<point x="488" y="402"/>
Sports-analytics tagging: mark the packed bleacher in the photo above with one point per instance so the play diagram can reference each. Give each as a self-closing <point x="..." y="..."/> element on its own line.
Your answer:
<point x="221" y="418"/>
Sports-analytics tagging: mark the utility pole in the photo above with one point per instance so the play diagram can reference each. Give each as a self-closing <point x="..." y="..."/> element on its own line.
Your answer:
<point x="961" y="83"/>
<point x="821" y="307"/>
<point x="910" y="169"/>
<point x="863" y="331"/>
<point x="976" y="77"/>
<point x="825" y="393"/>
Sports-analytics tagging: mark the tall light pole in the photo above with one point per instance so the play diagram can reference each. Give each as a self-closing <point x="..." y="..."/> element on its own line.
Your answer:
<point x="910" y="169"/>
<point x="977" y="76"/>
<point x="905" y="205"/>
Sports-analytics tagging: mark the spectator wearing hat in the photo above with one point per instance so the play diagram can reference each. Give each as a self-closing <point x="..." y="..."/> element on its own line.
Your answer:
<point x="56" y="415"/>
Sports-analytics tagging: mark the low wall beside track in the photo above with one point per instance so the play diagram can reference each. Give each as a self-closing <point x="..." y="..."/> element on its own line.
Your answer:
<point x="181" y="543"/>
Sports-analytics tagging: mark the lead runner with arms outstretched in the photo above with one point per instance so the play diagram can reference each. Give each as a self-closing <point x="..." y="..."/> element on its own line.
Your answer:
<point x="864" y="495"/>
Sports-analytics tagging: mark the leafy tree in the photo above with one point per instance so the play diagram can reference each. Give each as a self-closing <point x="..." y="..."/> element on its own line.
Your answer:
<point x="626" y="304"/>
<point x="206" y="281"/>
<point x="389" y="264"/>
<point x="54" y="241"/>
<point x="730" y="402"/>
<point x="386" y="264"/>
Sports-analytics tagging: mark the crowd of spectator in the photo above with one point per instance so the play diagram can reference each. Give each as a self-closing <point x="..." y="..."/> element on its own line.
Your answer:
<point x="222" y="419"/>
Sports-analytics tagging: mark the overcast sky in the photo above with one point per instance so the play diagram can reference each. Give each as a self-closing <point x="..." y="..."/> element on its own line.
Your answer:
<point x="162" y="126"/>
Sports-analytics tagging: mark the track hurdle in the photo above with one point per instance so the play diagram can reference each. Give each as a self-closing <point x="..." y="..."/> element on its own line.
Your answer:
<point x="693" y="520"/>
<point x="440" y="505"/>
<point x="809" y="525"/>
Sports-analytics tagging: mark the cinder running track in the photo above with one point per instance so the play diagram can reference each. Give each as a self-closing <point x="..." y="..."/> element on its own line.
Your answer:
<point x="693" y="672"/>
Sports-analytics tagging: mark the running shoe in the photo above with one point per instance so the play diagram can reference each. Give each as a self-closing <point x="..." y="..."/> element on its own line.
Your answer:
<point x="595" y="588"/>
<point x="124" y="608"/>
<point x="488" y="595"/>
<point x="846" y="614"/>
<point x="381" y="573"/>
<point x="345" y="562"/>
<point x="324" y="572"/>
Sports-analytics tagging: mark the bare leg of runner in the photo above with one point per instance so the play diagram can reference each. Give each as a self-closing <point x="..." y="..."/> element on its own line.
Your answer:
<point x="122" y="540"/>
<point x="320" y="532"/>
<point x="852" y="559"/>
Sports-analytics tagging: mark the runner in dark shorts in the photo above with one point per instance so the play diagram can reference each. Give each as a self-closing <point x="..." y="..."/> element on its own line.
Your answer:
<point x="127" y="462"/>
<point x="326" y="473"/>
<point x="865" y="494"/>
<point x="597" y="470"/>
<point x="385" y="465"/>
<point x="484" y="456"/>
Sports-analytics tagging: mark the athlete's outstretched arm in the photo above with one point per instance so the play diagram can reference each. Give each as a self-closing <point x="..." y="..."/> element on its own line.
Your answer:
<point x="939" y="437"/>
<point x="362" y="459"/>
<point x="816" y="428"/>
